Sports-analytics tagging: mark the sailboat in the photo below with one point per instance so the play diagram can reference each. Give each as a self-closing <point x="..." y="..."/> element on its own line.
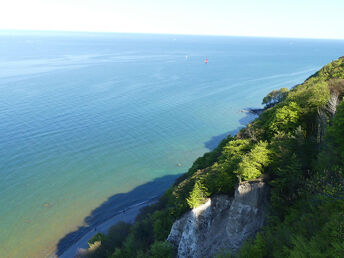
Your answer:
<point x="206" y="60"/>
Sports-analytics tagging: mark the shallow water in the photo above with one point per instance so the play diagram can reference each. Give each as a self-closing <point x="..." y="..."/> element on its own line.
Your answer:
<point x="87" y="116"/>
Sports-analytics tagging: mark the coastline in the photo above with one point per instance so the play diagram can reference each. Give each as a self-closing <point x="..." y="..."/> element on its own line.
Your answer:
<point x="127" y="215"/>
<point x="254" y="111"/>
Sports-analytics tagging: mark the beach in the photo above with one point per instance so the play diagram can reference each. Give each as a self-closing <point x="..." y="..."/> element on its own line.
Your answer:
<point x="81" y="245"/>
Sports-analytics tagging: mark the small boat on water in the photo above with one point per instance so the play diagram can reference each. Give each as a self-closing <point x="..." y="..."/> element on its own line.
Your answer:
<point x="206" y="60"/>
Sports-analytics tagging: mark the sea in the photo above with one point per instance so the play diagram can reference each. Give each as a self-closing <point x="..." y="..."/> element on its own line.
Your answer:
<point x="94" y="123"/>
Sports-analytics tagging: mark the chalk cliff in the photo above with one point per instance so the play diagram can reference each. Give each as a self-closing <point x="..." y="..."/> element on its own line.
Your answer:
<point x="222" y="222"/>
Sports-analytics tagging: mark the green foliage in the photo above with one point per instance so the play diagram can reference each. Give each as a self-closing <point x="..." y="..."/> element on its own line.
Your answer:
<point x="307" y="198"/>
<point x="219" y="180"/>
<point x="312" y="228"/>
<point x="310" y="96"/>
<point x="329" y="183"/>
<point x="209" y="158"/>
<point x="198" y="195"/>
<point x="255" y="248"/>
<point x="118" y="253"/>
<point x="202" y="167"/>
<point x="99" y="237"/>
<point x="285" y="119"/>
<point x="275" y="97"/>
<point x="252" y="164"/>
<point x="333" y="70"/>
<point x="285" y="183"/>
<point x="336" y="135"/>
<point x="224" y="253"/>
<point x="162" y="224"/>
<point x="114" y="239"/>
<point x="232" y="154"/>
<point x="307" y="187"/>
<point x="162" y="250"/>
<point x="140" y="237"/>
<point x="336" y="86"/>
<point x="306" y="178"/>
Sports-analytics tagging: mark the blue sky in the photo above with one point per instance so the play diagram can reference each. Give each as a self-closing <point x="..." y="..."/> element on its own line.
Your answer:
<point x="269" y="18"/>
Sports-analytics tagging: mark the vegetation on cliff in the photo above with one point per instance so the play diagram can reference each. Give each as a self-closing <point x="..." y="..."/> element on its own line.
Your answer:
<point x="307" y="174"/>
<point x="297" y="143"/>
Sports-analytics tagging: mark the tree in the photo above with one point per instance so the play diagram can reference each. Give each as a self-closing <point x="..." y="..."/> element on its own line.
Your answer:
<point x="285" y="119"/>
<point x="99" y="237"/>
<point x="332" y="153"/>
<point x="336" y="86"/>
<point x="162" y="224"/>
<point x="253" y="163"/>
<point x="275" y="97"/>
<point x="198" y="195"/>
<point x="162" y="250"/>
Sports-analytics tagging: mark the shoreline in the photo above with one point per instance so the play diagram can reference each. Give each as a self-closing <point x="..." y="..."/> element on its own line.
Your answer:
<point x="127" y="215"/>
<point x="254" y="111"/>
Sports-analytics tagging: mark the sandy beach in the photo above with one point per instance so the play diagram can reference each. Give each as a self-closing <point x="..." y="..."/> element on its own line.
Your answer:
<point x="128" y="215"/>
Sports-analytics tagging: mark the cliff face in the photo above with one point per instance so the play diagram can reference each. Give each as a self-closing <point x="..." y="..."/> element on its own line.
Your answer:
<point x="326" y="113"/>
<point x="222" y="222"/>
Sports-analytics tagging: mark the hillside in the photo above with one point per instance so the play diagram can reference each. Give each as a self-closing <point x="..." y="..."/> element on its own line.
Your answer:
<point x="296" y="146"/>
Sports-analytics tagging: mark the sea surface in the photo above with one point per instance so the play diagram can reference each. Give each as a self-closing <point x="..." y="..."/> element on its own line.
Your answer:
<point x="92" y="118"/>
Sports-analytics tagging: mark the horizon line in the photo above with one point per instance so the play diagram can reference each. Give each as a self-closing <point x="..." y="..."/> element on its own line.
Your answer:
<point x="163" y="33"/>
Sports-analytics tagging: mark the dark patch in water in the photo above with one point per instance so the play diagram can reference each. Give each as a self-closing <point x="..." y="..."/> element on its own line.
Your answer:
<point x="215" y="140"/>
<point x="114" y="206"/>
<point x="119" y="203"/>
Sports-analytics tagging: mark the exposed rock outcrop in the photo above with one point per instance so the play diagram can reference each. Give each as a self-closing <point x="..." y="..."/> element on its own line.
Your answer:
<point x="222" y="222"/>
<point x="325" y="113"/>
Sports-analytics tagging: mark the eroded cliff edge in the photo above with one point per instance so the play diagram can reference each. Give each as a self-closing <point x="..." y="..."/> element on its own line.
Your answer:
<point x="223" y="222"/>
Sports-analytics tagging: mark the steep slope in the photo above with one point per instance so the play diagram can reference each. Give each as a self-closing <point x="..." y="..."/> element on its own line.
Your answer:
<point x="297" y="145"/>
<point x="222" y="222"/>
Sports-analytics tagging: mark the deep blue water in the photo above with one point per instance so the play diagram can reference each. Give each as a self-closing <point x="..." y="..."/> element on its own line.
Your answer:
<point x="87" y="116"/>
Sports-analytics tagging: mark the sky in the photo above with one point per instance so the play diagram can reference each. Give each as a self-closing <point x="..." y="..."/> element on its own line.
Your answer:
<point x="266" y="18"/>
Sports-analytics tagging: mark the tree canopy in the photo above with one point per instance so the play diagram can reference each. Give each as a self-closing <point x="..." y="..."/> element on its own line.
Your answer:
<point x="275" y="97"/>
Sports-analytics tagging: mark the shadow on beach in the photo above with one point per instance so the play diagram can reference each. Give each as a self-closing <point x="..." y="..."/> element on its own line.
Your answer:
<point x="115" y="205"/>
<point x="146" y="193"/>
<point x="215" y="140"/>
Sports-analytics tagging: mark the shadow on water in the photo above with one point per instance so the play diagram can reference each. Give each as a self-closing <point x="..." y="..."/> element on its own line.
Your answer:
<point x="115" y="205"/>
<point x="148" y="191"/>
<point x="215" y="140"/>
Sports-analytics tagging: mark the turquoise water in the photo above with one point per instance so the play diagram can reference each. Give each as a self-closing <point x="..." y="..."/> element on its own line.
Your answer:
<point x="88" y="116"/>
